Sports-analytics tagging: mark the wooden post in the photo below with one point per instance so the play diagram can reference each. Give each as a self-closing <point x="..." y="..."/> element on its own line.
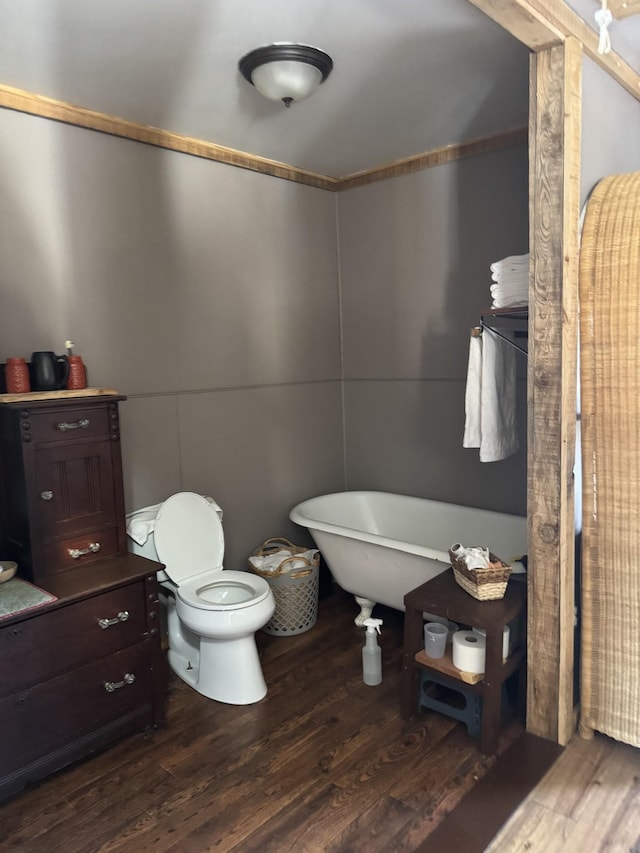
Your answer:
<point x="554" y="199"/>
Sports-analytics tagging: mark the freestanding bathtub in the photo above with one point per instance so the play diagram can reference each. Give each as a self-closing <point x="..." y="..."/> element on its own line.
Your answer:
<point x="379" y="545"/>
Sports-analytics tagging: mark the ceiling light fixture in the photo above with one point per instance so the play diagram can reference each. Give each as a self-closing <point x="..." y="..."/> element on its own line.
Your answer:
<point x="285" y="71"/>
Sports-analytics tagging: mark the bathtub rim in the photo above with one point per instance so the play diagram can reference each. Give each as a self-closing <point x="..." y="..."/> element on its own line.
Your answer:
<point x="298" y="517"/>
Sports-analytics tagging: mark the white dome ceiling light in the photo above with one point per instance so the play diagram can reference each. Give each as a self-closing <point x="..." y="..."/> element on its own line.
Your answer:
<point x="285" y="71"/>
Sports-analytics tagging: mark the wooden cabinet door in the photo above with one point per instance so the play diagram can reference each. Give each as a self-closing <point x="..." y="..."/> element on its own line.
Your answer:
<point x="75" y="488"/>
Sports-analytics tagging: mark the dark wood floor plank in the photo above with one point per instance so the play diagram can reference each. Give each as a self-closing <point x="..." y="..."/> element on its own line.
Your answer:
<point x="474" y="822"/>
<point x="324" y="762"/>
<point x="19" y="827"/>
<point x="375" y="829"/>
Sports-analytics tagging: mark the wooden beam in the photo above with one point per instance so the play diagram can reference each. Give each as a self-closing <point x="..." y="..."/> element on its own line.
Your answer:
<point x="565" y="19"/>
<point x="523" y="21"/>
<point x="554" y="199"/>
<point x="624" y="8"/>
<point x="541" y="23"/>
<point x="28" y="102"/>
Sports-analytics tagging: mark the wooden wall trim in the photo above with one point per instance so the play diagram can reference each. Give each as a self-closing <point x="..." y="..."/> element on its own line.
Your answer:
<point x="39" y="105"/>
<point x="437" y="157"/>
<point x="542" y="23"/>
<point x="554" y="200"/>
<point x="537" y="23"/>
<point x="49" y="108"/>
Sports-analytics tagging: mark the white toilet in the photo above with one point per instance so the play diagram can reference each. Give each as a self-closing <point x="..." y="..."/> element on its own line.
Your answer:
<point x="212" y="613"/>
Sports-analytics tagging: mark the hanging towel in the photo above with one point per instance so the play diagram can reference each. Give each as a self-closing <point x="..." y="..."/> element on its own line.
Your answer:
<point x="472" y="394"/>
<point x="490" y="398"/>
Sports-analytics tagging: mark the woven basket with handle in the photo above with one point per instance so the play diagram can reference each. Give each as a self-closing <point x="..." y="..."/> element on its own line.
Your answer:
<point x="295" y="591"/>
<point x="484" y="584"/>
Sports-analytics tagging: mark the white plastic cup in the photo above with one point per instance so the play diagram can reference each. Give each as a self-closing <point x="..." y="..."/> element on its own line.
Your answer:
<point x="435" y="639"/>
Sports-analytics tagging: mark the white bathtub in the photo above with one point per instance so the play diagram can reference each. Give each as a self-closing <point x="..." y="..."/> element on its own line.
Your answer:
<point x="379" y="545"/>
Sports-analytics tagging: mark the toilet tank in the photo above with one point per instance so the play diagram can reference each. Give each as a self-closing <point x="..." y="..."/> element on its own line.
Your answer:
<point x="140" y="525"/>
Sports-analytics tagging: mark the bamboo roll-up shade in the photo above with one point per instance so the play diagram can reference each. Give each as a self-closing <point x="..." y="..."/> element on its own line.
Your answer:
<point x="610" y="393"/>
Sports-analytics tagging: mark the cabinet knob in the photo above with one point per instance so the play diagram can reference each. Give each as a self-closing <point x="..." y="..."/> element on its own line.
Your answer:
<point x="15" y="634"/>
<point x="47" y="495"/>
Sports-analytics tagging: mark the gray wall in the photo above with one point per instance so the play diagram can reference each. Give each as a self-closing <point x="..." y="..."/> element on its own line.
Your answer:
<point x="207" y="294"/>
<point x="210" y="296"/>
<point x="414" y="267"/>
<point x="610" y="128"/>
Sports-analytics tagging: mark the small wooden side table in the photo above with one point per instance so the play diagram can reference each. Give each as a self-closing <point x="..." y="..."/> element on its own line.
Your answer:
<point x="442" y="596"/>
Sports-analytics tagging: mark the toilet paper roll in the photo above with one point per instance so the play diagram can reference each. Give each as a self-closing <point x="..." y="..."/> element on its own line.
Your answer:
<point x="505" y="640"/>
<point x="469" y="651"/>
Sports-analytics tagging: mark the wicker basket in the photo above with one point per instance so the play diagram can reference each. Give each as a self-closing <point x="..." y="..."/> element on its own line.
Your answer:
<point x="295" y="592"/>
<point x="484" y="584"/>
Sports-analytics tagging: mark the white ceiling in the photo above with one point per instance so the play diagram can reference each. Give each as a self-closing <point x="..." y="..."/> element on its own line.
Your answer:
<point x="409" y="75"/>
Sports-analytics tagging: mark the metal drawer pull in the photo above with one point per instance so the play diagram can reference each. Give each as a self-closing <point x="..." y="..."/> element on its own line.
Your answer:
<point x="110" y="686"/>
<point x="83" y="423"/>
<point x="93" y="548"/>
<point x="46" y="495"/>
<point x="121" y="617"/>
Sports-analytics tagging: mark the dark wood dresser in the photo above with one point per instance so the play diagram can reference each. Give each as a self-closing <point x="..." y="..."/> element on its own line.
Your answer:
<point x="81" y="671"/>
<point x="61" y="492"/>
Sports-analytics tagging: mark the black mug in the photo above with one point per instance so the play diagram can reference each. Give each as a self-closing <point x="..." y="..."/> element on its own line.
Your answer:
<point x="49" y="371"/>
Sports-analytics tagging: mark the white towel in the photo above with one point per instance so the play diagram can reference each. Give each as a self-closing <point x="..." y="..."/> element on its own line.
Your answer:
<point x="472" y="396"/>
<point x="513" y="262"/>
<point x="510" y="281"/>
<point x="490" y="398"/>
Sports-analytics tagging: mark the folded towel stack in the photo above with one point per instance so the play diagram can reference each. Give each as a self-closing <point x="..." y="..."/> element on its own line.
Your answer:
<point x="510" y="277"/>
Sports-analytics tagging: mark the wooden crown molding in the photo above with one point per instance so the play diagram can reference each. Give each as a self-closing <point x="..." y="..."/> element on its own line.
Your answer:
<point x="38" y="105"/>
<point x="537" y="23"/>
<point x="436" y="157"/>
<point x="49" y="108"/>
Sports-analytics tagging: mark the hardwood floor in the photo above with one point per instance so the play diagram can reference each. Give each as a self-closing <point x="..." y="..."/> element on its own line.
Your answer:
<point x="588" y="801"/>
<point x="324" y="763"/>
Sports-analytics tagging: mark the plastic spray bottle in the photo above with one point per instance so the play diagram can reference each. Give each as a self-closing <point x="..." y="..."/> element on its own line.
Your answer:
<point x="371" y="653"/>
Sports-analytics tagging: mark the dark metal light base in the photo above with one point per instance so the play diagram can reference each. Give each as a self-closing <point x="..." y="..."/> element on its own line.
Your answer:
<point x="285" y="51"/>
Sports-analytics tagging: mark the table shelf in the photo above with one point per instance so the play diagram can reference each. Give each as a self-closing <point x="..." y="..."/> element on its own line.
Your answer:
<point x="442" y="597"/>
<point x="446" y="667"/>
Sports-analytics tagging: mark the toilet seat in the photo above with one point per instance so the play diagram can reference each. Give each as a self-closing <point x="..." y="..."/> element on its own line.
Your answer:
<point x="229" y="591"/>
<point x="189" y="538"/>
<point x="189" y="541"/>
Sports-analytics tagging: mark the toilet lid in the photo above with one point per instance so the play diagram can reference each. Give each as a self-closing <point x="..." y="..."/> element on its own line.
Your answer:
<point x="188" y="536"/>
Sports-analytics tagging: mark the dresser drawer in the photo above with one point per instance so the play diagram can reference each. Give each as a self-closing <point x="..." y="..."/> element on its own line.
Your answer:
<point x="51" y="643"/>
<point x="70" y="423"/>
<point x="51" y="715"/>
<point x="80" y="550"/>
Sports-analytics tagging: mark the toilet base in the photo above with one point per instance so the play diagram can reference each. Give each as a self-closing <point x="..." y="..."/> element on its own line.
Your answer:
<point x="227" y="671"/>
